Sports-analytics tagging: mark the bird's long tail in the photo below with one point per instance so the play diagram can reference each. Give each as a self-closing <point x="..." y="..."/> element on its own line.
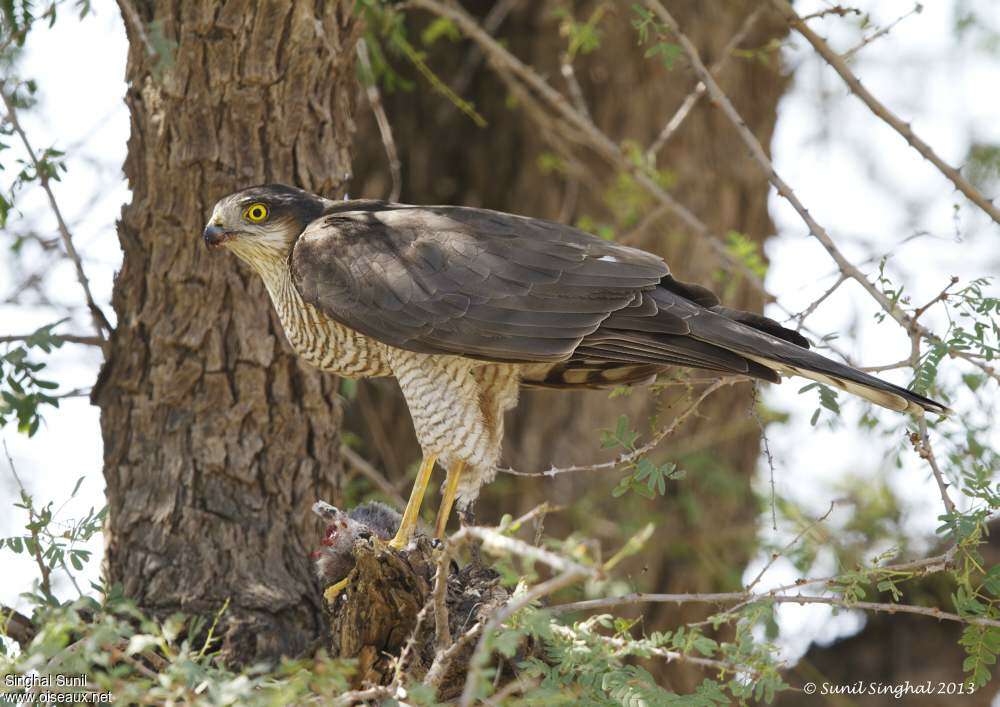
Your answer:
<point x="746" y="335"/>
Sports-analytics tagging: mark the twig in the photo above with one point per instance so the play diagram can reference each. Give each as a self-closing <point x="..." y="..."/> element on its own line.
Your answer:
<point x="668" y="655"/>
<point x="491" y="23"/>
<point x="535" y="593"/>
<point x="101" y="324"/>
<point x="382" y="120"/>
<point x="692" y="98"/>
<point x="838" y="10"/>
<point x="760" y="156"/>
<point x="837" y="62"/>
<point x="849" y="54"/>
<point x="801" y="316"/>
<point x="68" y="338"/>
<point x="372" y="474"/>
<point x="411" y="643"/>
<point x="442" y="636"/>
<point x="918" y="568"/>
<point x="515" y="686"/>
<point x="44" y="571"/>
<point x="506" y="64"/>
<point x="636" y="454"/>
<point x="941" y="296"/>
<point x="357" y="696"/>
<point x="922" y="443"/>
<point x="754" y="400"/>
<point x="442" y="659"/>
<point x="500" y="543"/>
<point x="789" y="546"/>
<point x="727" y="597"/>
<point x="903" y="363"/>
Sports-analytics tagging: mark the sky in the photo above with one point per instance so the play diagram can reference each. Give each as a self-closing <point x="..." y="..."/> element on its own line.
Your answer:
<point x="858" y="178"/>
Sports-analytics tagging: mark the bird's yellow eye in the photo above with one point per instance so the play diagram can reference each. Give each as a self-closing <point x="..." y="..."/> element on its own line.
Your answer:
<point x="256" y="213"/>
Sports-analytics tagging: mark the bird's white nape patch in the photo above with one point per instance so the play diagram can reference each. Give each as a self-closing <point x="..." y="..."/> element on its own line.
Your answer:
<point x="609" y="258"/>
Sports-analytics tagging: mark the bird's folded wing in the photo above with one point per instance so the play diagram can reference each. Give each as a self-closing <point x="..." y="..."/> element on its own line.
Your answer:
<point x="466" y="281"/>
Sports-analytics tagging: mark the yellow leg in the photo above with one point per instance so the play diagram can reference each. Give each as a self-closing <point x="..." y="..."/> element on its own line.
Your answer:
<point x="450" y="487"/>
<point x="412" y="511"/>
<point x="334" y="589"/>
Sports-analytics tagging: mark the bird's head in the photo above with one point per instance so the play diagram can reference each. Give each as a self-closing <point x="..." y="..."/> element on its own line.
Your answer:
<point x="262" y="223"/>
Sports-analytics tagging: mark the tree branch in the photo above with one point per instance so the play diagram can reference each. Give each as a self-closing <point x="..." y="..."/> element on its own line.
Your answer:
<point x="68" y="338"/>
<point x="699" y="90"/>
<point x="101" y="324"/>
<point x="784" y="190"/>
<point x="723" y="598"/>
<point x="506" y="63"/>
<point x="849" y="54"/>
<point x="381" y="119"/>
<point x="837" y="62"/>
<point x="636" y="454"/>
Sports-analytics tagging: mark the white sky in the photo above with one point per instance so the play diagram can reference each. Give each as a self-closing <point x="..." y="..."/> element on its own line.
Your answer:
<point x="857" y="177"/>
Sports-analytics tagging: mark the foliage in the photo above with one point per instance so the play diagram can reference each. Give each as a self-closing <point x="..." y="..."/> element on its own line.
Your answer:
<point x="643" y="476"/>
<point x="386" y="33"/>
<point x="583" y="37"/>
<point x="23" y="390"/>
<point x="650" y="30"/>
<point x="18" y="16"/>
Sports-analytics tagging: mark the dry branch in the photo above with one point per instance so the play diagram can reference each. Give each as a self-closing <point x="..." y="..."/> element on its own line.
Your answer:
<point x="699" y="90"/>
<point x="382" y="120"/>
<point x="101" y="324"/>
<point x="758" y="154"/>
<point x="506" y="64"/>
<point x="636" y="454"/>
<point x="837" y="62"/>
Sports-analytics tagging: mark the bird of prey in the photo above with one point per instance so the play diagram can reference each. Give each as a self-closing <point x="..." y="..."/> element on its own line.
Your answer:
<point x="463" y="306"/>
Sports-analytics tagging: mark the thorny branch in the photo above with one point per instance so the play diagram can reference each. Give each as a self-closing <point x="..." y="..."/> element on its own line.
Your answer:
<point x="101" y="324"/>
<point x="745" y="598"/>
<point x="758" y="154"/>
<point x="44" y="571"/>
<point x="881" y="32"/>
<point x="670" y="129"/>
<point x="636" y="454"/>
<point x="838" y="63"/>
<point x="569" y="572"/>
<point x="508" y="66"/>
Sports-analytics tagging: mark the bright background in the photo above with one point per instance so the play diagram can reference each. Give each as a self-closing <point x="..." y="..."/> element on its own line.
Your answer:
<point x="858" y="178"/>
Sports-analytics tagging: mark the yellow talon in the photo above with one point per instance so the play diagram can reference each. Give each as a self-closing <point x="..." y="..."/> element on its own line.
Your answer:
<point x="334" y="589"/>
<point x="412" y="512"/>
<point x="448" y="499"/>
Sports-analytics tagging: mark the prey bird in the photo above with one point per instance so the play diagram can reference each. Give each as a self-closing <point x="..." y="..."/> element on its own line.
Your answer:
<point x="463" y="306"/>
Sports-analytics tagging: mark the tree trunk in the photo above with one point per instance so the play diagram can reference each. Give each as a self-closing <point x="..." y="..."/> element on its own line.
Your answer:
<point x="446" y="159"/>
<point x="216" y="439"/>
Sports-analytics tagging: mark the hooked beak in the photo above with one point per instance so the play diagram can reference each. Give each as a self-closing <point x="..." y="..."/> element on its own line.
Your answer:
<point x="216" y="236"/>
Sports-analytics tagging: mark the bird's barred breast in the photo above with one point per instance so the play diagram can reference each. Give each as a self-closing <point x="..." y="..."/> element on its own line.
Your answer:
<point x="320" y="340"/>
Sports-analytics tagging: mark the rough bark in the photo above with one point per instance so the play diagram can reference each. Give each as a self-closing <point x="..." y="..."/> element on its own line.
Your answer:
<point x="216" y="439"/>
<point x="446" y="159"/>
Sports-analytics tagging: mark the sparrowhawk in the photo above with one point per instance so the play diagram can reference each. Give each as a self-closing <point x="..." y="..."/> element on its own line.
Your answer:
<point x="463" y="306"/>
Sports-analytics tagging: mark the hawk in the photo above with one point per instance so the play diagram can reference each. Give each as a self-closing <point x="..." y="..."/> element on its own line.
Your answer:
<point x="463" y="306"/>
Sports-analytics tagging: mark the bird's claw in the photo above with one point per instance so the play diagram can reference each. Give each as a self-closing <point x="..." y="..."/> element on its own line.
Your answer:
<point x="330" y="595"/>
